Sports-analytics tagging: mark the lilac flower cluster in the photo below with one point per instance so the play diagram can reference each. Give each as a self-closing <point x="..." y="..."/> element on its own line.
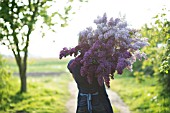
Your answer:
<point x="109" y="48"/>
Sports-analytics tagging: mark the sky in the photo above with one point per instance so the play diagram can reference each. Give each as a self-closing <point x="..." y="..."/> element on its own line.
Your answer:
<point x="137" y="13"/>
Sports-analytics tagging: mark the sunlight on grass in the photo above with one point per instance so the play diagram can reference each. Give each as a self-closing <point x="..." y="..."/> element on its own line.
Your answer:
<point x="45" y="95"/>
<point x="140" y="97"/>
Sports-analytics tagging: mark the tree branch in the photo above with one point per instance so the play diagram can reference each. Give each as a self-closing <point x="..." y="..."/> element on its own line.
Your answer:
<point x="17" y="56"/>
<point x="30" y="5"/>
<point x="30" y="27"/>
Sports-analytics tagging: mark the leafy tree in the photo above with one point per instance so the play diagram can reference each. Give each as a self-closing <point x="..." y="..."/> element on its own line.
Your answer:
<point x="158" y="33"/>
<point x="17" y="22"/>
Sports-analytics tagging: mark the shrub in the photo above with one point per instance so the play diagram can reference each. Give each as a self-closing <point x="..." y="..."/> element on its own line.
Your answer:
<point x="165" y="70"/>
<point x="4" y="82"/>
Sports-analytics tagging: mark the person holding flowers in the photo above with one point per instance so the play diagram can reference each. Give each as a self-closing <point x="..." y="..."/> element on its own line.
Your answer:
<point x="92" y="98"/>
<point x="100" y="53"/>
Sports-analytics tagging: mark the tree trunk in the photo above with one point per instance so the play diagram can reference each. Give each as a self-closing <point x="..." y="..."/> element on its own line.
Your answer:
<point x="23" y="78"/>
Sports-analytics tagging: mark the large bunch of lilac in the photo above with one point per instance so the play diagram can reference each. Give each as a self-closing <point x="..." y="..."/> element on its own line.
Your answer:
<point x="109" y="48"/>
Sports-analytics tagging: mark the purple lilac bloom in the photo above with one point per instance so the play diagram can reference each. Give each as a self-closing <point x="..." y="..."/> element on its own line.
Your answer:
<point x="111" y="47"/>
<point x="121" y="65"/>
<point x="111" y="22"/>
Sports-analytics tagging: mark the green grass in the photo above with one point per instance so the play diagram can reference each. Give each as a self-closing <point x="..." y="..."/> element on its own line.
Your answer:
<point x="45" y="95"/>
<point x="140" y="97"/>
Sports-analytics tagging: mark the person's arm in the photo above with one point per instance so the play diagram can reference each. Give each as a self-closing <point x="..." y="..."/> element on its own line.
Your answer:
<point x="68" y="66"/>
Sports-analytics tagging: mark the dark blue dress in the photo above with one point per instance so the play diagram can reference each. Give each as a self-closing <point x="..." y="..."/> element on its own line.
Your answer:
<point x="92" y="98"/>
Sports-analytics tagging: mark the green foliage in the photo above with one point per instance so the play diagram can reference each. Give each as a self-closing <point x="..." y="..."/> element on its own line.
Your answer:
<point x="18" y="19"/>
<point x="157" y="33"/>
<point x="141" y="97"/>
<point x="164" y="76"/>
<point x="4" y="82"/>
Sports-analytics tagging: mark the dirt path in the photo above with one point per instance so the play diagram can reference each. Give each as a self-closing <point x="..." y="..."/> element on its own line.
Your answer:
<point x="117" y="102"/>
<point x="71" y="104"/>
<point x="114" y="98"/>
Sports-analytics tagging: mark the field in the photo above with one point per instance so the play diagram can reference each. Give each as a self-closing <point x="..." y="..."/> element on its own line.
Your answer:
<point x="48" y="91"/>
<point x="41" y="65"/>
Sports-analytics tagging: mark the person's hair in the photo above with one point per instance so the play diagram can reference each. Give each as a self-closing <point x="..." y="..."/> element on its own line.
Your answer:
<point x="79" y="39"/>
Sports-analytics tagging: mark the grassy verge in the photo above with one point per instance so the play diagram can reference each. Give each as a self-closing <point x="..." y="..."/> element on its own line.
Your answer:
<point x="45" y="95"/>
<point x="115" y="109"/>
<point x="140" y="97"/>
